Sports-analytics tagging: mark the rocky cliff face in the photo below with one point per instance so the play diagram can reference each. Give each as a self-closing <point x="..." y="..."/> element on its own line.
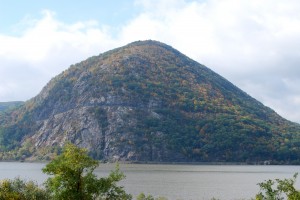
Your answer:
<point x="147" y="102"/>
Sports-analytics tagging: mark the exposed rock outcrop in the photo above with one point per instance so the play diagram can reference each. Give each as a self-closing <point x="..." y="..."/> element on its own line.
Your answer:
<point x="148" y="102"/>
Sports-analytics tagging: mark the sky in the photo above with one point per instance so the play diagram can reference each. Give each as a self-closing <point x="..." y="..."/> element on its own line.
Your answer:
<point x="255" y="44"/>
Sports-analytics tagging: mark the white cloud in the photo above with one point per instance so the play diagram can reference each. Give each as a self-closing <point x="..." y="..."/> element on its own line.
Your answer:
<point x="254" y="44"/>
<point x="45" y="48"/>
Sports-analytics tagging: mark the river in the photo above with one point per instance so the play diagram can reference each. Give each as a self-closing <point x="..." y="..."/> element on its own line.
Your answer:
<point x="182" y="182"/>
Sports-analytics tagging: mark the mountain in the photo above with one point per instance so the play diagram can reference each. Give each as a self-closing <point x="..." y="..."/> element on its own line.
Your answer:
<point x="4" y="106"/>
<point x="147" y="102"/>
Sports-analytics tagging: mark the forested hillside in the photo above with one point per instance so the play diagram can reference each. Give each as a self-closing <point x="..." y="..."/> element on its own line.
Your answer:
<point x="148" y="102"/>
<point x="9" y="105"/>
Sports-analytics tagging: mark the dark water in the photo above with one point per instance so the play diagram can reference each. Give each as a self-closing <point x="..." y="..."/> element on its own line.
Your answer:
<point x="195" y="182"/>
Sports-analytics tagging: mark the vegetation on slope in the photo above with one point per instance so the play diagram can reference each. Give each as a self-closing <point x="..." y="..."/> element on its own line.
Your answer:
<point x="176" y="110"/>
<point x="9" y="105"/>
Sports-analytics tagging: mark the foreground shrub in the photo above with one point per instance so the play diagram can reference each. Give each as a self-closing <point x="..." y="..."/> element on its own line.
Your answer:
<point x="18" y="189"/>
<point x="278" y="189"/>
<point x="142" y="196"/>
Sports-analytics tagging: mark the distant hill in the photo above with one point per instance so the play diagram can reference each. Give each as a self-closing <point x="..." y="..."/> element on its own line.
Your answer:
<point x="9" y="105"/>
<point x="148" y="102"/>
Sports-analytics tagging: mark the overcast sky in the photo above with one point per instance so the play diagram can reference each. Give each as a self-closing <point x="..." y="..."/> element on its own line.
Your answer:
<point x="255" y="44"/>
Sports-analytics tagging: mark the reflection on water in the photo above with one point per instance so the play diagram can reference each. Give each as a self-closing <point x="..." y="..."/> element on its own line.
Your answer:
<point x="197" y="182"/>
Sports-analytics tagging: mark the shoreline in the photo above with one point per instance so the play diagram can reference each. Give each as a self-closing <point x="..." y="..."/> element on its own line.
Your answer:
<point x="259" y="163"/>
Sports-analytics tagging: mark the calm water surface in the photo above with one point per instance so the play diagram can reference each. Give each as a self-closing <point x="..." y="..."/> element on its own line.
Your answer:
<point x="186" y="182"/>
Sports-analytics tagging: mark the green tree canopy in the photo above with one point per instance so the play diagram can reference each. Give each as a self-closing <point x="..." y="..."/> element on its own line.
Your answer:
<point x="73" y="177"/>
<point x="18" y="189"/>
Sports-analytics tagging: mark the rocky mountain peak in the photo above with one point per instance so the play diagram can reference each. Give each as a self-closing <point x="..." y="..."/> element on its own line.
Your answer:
<point x="147" y="102"/>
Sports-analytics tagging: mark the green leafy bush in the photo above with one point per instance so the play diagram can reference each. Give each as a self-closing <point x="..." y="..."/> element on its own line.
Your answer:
<point x="18" y="189"/>
<point x="278" y="189"/>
